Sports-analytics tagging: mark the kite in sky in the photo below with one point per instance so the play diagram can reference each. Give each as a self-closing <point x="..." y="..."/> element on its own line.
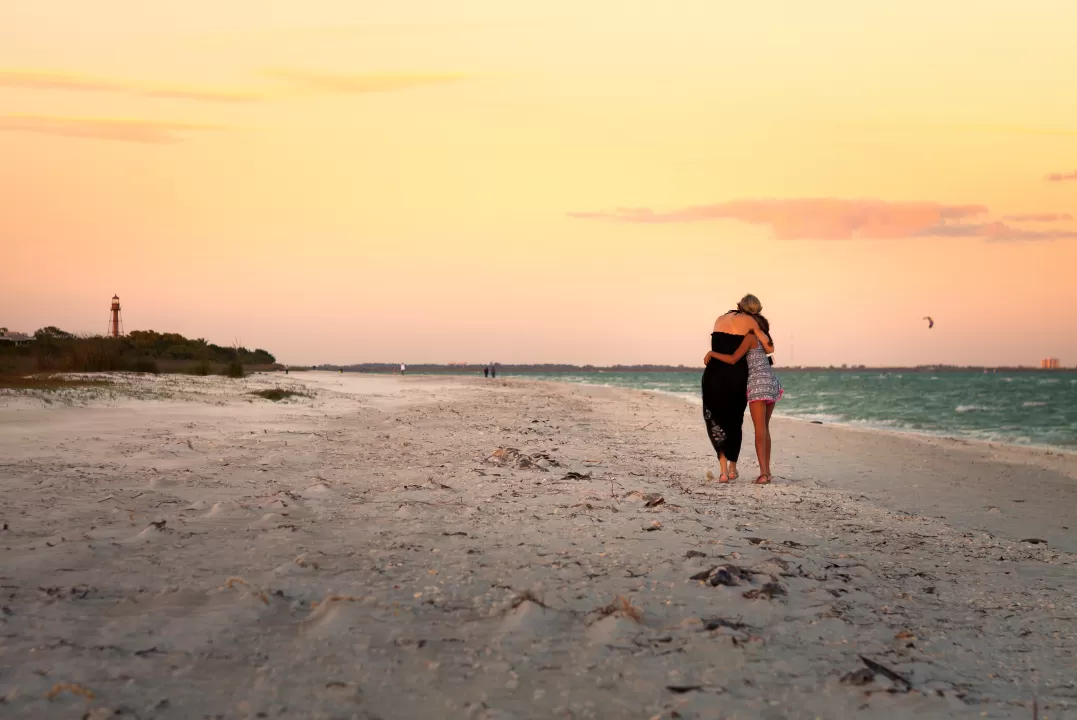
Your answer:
<point x="930" y="322"/>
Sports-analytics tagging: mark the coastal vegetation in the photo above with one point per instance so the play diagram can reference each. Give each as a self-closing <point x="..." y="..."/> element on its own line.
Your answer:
<point x="53" y="350"/>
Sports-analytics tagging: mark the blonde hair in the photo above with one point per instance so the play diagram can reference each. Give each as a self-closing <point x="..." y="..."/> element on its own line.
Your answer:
<point x="750" y="304"/>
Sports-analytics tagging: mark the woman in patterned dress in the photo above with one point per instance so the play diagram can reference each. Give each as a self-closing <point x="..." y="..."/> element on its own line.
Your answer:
<point x="725" y="385"/>
<point x="764" y="388"/>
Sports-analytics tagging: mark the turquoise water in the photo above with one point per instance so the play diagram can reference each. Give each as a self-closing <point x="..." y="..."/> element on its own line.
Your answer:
<point x="1030" y="408"/>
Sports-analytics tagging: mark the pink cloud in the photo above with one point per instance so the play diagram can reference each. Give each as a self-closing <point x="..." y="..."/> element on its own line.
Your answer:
<point x="152" y="132"/>
<point x="811" y="218"/>
<point x="1038" y="217"/>
<point x="1061" y="177"/>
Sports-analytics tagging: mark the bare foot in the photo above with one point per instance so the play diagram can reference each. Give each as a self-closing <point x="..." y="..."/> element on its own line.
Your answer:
<point x="763" y="479"/>
<point x="723" y="478"/>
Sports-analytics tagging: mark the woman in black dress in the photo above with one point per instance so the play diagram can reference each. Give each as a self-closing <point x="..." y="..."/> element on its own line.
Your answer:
<point x="725" y="387"/>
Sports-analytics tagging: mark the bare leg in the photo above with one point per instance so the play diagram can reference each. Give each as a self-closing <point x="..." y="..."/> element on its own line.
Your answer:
<point x="759" y="420"/>
<point x="770" y="411"/>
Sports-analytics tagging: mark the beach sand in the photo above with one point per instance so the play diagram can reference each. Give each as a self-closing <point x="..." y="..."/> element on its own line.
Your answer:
<point x="176" y="548"/>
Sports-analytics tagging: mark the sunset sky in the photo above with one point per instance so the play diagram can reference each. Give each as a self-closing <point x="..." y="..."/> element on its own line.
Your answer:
<point x="564" y="181"/>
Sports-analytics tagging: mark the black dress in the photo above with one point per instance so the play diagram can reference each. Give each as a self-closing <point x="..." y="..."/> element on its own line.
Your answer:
<point x="725" y="396"/>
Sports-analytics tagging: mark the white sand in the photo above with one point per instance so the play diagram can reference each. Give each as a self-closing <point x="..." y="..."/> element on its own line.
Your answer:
<point x="182" y="550"/>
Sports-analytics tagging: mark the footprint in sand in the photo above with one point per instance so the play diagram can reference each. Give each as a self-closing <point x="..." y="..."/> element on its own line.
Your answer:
<point x="281" y="505"/>
<point x="495" y="714"/>
<point x="408" y="511"/>
<point x="530" y="620"/>
<point x="318" y="490"/>
<point x="187" y="620"/>
<point x="153" y="532"/>
<point x="272" y="521"/>
<point x="321" y="498"/>
<point x="302" y="565"/>
<point x="227" y="510"/>
<point x="528" y="616"/>
<point x="158" y="482"/>
<point x="612" y="630"/>
<point x="335" y="616"/>
<point x="343" y="691"/>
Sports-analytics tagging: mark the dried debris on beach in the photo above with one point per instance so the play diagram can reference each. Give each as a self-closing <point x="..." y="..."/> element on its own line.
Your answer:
<point x="426" y="547"/>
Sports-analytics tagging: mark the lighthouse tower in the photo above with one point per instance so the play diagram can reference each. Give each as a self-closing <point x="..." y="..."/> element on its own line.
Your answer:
<point x="115" y="324"/>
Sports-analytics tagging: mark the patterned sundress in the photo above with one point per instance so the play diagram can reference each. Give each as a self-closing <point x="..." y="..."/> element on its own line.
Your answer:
<point x="763" y="384"/>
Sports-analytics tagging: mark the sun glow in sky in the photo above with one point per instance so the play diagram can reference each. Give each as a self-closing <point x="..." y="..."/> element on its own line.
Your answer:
<point x="545" y="182"/>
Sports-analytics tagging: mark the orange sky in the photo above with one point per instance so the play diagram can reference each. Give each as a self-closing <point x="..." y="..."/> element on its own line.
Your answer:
<point x="545" y="182"/>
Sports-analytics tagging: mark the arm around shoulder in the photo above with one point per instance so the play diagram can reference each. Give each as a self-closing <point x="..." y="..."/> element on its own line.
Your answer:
<point x="745" y="346"/>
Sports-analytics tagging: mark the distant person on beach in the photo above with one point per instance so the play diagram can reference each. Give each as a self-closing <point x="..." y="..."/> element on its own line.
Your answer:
<point x="403" y="367"/>
<point x="764" y="390"/>
<point x="725" y="385"/>
<point x="493" y="371"/>
<point x="486" y="371"/>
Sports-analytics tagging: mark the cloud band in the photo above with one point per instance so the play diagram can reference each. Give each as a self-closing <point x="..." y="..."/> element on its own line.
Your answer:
<point x="848" y="219"/>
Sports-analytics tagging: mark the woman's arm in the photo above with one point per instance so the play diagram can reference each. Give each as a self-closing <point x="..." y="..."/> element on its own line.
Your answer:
<point x="746" y="345"/>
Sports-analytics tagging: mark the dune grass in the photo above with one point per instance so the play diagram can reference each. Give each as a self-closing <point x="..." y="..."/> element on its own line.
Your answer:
<point x="277" y="394"/>
<point x="145" y="365"/>
<point x="48" y="382"/>
<point x="234" y="369"/>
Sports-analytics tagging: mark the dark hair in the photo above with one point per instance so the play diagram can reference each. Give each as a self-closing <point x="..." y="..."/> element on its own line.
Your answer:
<point x="764" y="324"/>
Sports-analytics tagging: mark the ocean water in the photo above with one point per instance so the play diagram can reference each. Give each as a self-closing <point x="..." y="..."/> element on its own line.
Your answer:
<point x="1022" y="408"/>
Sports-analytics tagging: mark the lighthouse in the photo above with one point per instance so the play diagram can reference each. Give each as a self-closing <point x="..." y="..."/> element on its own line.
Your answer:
<point x="115" y="325"/>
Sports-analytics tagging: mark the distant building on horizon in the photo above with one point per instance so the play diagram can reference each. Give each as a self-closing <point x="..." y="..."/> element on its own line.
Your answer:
<point x="1050" y="364"/>
<point x="15" y="338"/>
